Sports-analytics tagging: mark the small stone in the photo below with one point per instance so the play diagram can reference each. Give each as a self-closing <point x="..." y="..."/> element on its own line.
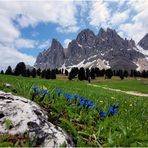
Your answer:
<point x="7" y="85"/>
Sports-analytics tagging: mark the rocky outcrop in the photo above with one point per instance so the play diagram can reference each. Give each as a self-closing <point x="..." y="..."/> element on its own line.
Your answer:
<point x="88" y="49"/>
<point x="28" y="117"/>
<point x="144" y="42"/>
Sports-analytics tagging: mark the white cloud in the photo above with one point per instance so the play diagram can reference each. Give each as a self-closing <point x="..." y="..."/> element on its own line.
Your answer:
<point x="119" y="17"/>
<point x="8" y="32"/>
<point x="25" y="43"/>
<point x="69" y="29"/>
<point x="11" y="56"/>
<point x="99" y="13"/>
<point x="66" y="42"/>
<point x="138" y="26"/>
<point x="61" y="13"/>
<point x="44" y="44"/>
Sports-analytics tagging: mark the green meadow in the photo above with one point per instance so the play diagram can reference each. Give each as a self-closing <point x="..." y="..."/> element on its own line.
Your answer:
<point x="85" y="125"/>
<point x="128" y="84"/>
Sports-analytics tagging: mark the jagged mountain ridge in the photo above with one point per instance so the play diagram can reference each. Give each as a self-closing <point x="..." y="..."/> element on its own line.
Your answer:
<point x="104" y="50"/>
<point x="144" y="42"/>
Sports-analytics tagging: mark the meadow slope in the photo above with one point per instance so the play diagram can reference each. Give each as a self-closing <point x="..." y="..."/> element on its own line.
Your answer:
<point x="126" y="128"/>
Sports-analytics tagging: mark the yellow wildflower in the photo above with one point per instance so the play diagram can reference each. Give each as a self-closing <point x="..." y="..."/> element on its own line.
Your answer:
<point x="44" y="87"/>
<point x="113" y="98"/>
<point x="101" y="101"/>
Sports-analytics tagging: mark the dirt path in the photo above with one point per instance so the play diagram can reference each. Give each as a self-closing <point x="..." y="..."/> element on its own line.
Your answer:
<point x="134" y="93"/>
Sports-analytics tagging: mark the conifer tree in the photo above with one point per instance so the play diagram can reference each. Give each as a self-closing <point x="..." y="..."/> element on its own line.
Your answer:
<point x="20" y="69"/>
<point x="38" y="71"/>
<point x="9" y="71"/>
<point x="109" y="73"/>
<point x="47" y="74"/>
<point x="97" y="72"/>
<point x="81" y="74"/>
<point x="125" y="73"/>
<point x="43" y="73"/>
<point x="66" y="72"/>
<point x="33" y="73"/>
<point x="70" y="76"/>
<point x="53" y="74"/>
<point x="2" y="72"/>
<point x="87" y="73"/>
<point x="121" y="75"/>
<point x="28" y="73"/>
<point x="92" y="73"/>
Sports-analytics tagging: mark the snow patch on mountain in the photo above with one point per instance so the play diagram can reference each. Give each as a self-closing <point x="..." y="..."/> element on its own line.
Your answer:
<point x="91" y="57"/>
<point x="141" y="50"/>
<point x="80" y="45"/>
<point x="102" y="64"/>
<point x="141" y="64"/>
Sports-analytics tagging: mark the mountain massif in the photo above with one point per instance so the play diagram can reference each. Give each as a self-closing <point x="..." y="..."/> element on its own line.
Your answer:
<point x="103" y="50"/>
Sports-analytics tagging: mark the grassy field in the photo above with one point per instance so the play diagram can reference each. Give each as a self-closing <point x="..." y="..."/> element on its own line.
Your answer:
<point x="87" y="128"/>
<point x="128" y="84"/>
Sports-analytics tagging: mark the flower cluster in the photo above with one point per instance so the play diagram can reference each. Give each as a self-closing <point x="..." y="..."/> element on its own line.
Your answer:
<point x="36" y="92"/>
<point x="80" y="101"/>
<point x="88" y="103"/>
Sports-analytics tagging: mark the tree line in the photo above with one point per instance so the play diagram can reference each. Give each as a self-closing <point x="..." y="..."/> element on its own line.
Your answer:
<point x="21" y="70"/>
<point x="85" y="74"/>
<point x="81" y="74"/>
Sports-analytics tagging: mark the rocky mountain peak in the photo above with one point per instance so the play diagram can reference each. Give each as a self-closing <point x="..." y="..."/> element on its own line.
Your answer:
<point x="112" y="33"/>
<point x="144" y="42"/>
<point x="102" y="33"/>
<point x="86" y="36"/>
<point x="55" y="44"/>
<point x="109" y="39"/>
<point x="89" y="50"/>
<point x="132" y="42"/>
<point x="53" y="57"/>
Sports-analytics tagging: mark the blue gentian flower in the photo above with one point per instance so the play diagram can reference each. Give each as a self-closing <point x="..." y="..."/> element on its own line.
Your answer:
<point x="89" y="103"/>
<point x="82" y="103"/>
<point x="45" y="92"/>
<point x="75" y="96"/>
<point x="103" y="114"/>
<point x="36" y="90"/>
<point x="68" y="96"/>
<point x="82" y="98"/>
<point x="113" y="110"/>
<point x="59" y="92"/>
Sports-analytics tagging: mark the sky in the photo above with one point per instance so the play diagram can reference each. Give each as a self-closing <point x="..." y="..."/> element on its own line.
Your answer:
<point x="27" y="27"/>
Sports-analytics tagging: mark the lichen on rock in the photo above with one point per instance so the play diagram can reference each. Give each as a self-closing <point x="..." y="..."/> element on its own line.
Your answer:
<point x="28" y="117"/>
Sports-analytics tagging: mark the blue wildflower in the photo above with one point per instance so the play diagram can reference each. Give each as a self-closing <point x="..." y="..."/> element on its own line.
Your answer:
<point x="113" y="110"/>
<point x="68" y="96"/>
<point x="82" y="98"/>
<point x="103" y="114"/>
<point x="45" y="92"/>
<point x="36" y="90"/>
<point x="75" y="96"/>
<point x="89" y="103"/>
<point x="59" y="92"/>
<point x="82" y="103"/>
